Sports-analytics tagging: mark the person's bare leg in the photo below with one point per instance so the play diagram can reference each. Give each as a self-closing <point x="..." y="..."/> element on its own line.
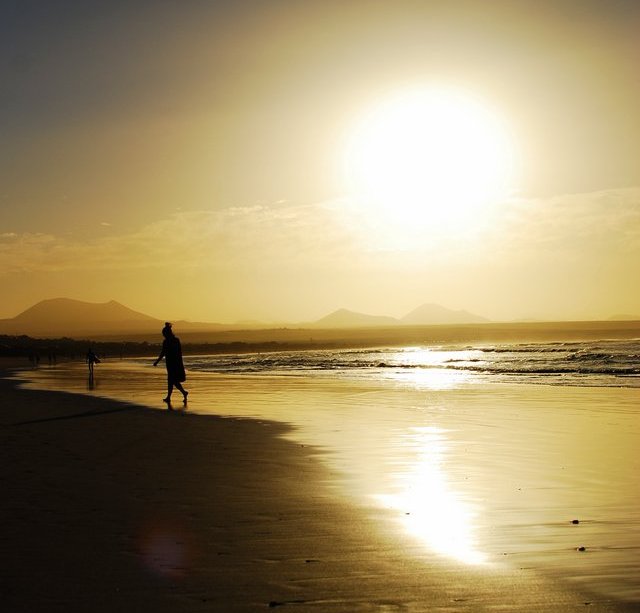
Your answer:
<point x="185" y="393"/>
<point x="169" y="391"/>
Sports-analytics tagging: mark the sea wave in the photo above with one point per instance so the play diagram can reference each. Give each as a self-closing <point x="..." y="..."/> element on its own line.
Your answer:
<point x="601" y="363"/>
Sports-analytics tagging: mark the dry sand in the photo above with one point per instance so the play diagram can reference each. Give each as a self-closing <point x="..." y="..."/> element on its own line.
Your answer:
<point x="109" y="506"/>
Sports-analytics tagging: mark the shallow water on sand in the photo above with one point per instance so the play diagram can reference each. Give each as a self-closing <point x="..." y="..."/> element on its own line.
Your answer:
<point x="485" y="474"/>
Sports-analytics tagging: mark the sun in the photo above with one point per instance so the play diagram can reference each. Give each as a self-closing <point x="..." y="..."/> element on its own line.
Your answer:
<point x="430" y="156"/>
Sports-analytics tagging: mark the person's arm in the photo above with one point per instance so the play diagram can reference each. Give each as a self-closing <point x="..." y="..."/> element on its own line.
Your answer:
<point x="160" y="356"/>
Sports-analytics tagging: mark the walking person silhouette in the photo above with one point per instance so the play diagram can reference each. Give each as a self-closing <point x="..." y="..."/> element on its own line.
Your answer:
<point x="172" y="354"/>
<point x="91" y="359"/>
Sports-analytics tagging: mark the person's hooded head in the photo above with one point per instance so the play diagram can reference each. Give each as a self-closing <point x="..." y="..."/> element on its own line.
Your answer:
<point x="167" y="332"/>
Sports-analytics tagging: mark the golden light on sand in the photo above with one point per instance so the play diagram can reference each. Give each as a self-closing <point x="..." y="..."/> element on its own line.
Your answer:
<point x="434" y="157"/>
<point x="432" y="510"/>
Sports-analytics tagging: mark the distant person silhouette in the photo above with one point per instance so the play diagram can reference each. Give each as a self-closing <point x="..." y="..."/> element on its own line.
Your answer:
<point x="91" y="359"/>
<point x="172" y="353"/>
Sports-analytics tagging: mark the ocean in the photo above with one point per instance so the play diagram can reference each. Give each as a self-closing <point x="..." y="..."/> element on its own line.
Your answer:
<point x="603" y="363"/>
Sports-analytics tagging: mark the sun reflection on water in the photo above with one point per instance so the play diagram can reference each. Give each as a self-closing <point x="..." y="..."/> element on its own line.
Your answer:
<point x="429" y="368"/>
<point x="431" y="379"/>
<point x="432" y="511"/>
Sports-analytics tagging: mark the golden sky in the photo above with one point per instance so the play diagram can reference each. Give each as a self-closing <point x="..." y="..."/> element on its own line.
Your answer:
<point x="277" y="160"/>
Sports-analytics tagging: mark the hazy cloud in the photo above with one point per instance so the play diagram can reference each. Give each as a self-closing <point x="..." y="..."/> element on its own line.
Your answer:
<point x="241" y="236"/>
<point x="576" y="226"/>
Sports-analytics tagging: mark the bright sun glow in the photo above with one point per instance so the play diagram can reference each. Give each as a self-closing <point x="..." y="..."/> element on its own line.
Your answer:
<point x="429" y="157"/>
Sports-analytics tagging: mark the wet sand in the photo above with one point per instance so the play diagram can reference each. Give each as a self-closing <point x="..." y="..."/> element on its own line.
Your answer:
<point x="115" y="506"/>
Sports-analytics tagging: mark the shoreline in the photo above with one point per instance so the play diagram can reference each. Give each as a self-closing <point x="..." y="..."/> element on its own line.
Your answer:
<point x="114" y="506"/>
<point x="293" y="338"/>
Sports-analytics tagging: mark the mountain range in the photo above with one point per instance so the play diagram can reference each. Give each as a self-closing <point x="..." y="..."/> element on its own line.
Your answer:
<point x="424" y="315"/>
<point x="59" y="317"/>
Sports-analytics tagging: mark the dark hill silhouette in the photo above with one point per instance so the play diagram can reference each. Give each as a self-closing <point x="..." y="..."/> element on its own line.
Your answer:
<point x="424" y="315"/>
<point x="66" y="309"/>
<point x="343" y="318"/>
<point x="432" y="314"/>
<point x="60" y="317"/>
<point x="66" y="317"/>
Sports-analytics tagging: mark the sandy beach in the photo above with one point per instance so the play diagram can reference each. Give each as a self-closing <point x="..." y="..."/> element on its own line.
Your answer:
<point x="114" y="505"/>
